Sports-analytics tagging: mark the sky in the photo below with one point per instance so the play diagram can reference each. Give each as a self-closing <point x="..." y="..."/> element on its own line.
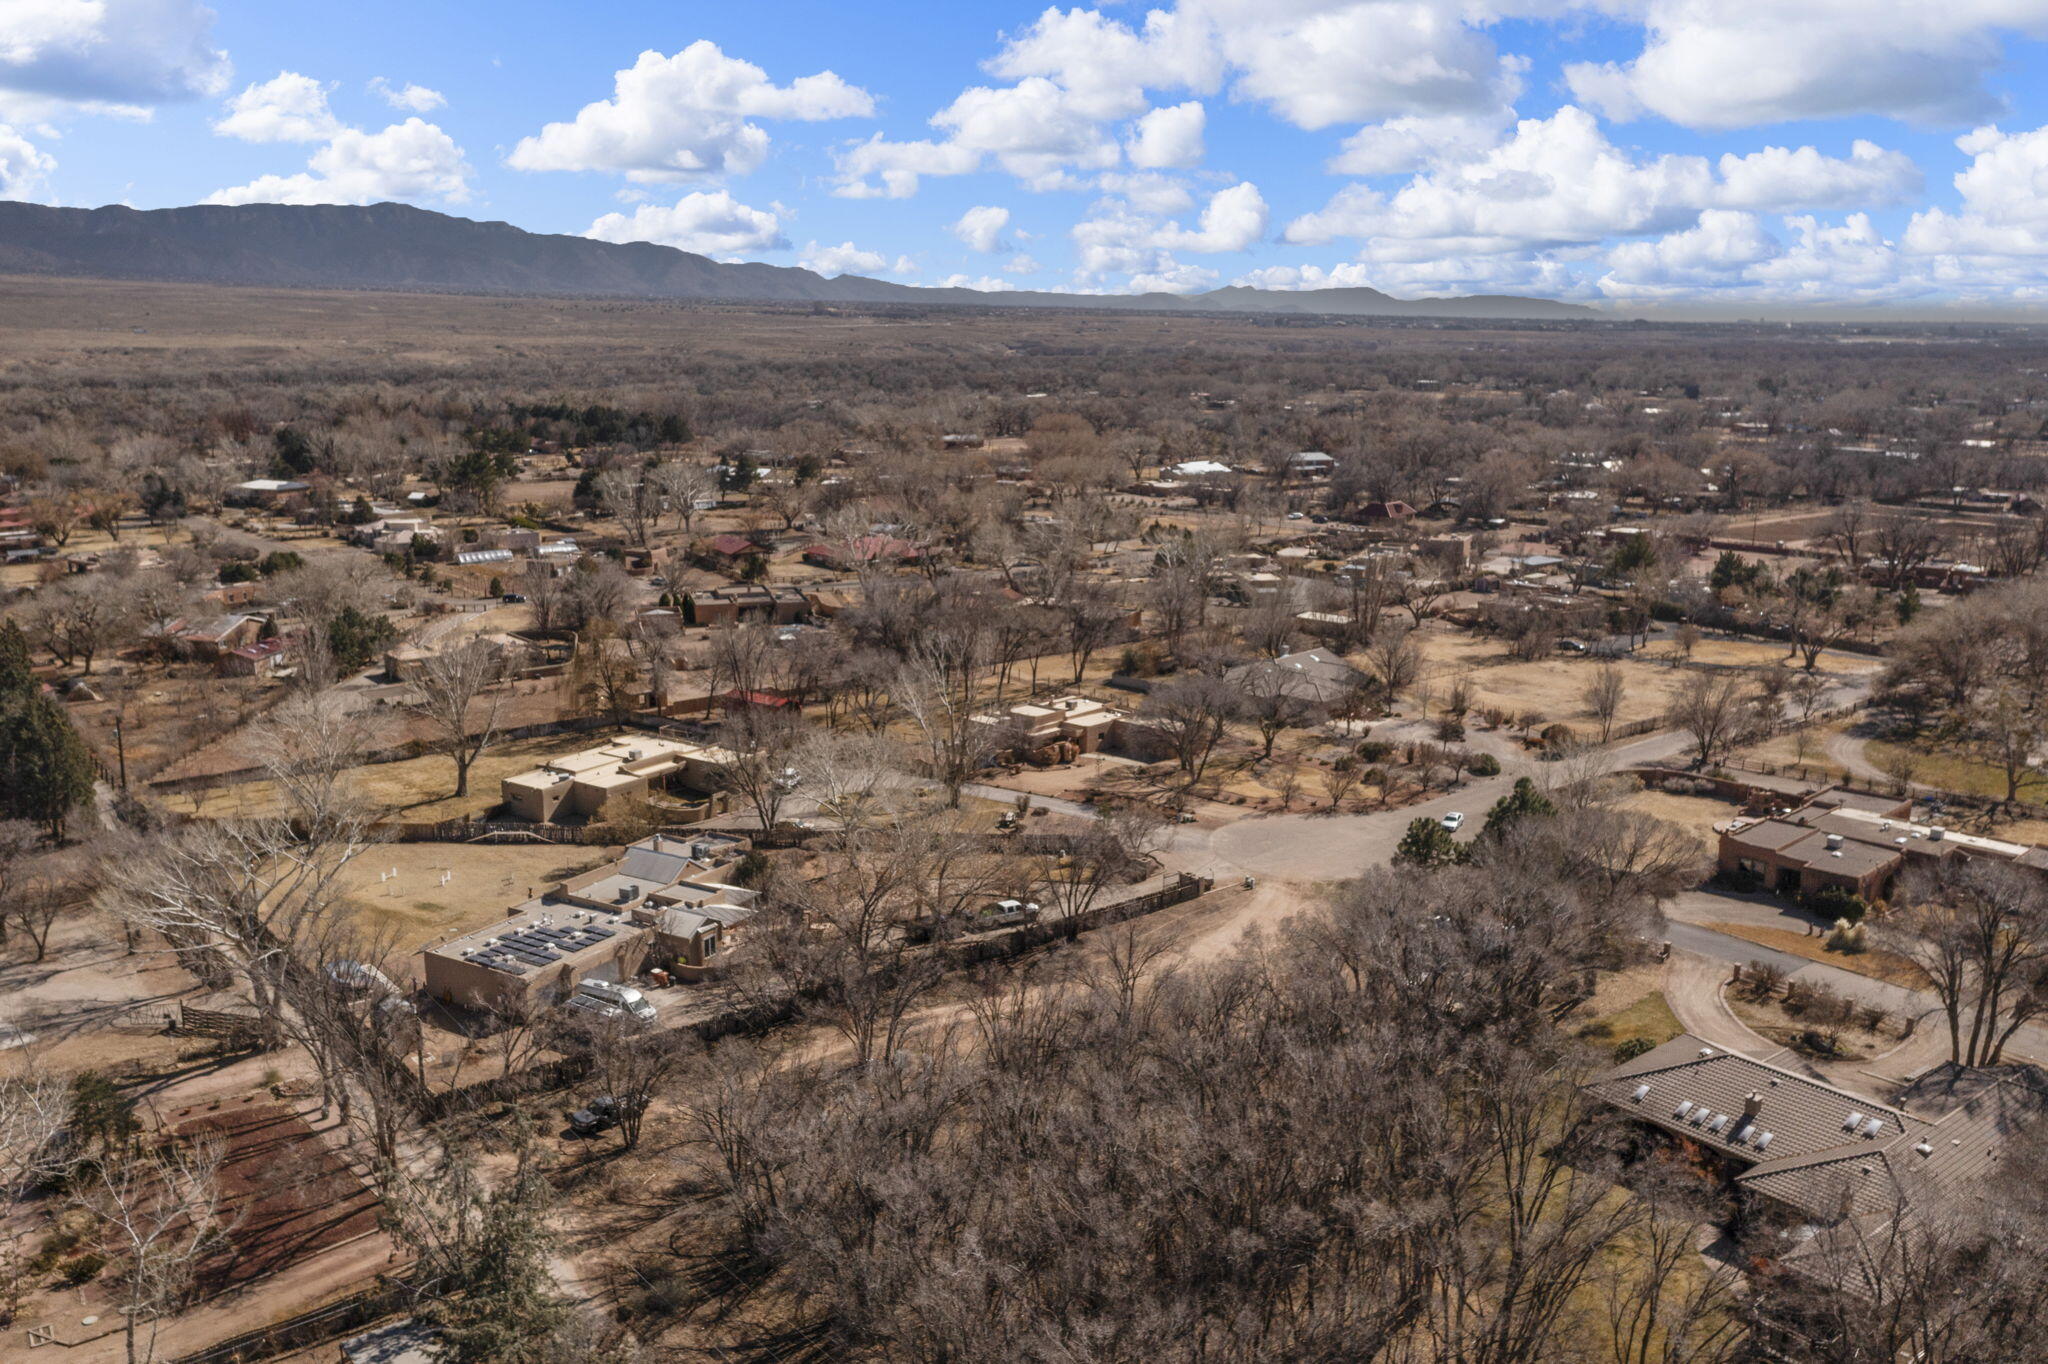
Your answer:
<point x="1630" y="154"/>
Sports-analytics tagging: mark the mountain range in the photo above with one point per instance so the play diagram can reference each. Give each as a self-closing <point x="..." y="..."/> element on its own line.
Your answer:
<point x="398" y="247"/>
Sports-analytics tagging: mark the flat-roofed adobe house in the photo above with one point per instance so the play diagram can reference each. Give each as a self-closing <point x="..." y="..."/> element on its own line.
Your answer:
<point x="745" y="602"/>
<point x="579" y="786"/>
<point x="1859" y="844"/>
<point x="1830" y="1157"/>
<point x="663" y="905"/>
<point x="1032" y="725"/>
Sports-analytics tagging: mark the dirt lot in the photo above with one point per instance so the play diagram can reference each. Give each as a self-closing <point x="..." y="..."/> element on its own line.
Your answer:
<point x="1551" y="687"/>
<point x="289" y="1192"/>
<point x="485" y="879"/>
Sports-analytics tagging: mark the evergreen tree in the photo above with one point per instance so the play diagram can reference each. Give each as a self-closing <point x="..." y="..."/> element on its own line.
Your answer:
<point x="46" y="771"/>
<point x="17" y="677"/>
<point x="355" y="638"/>
<point x="294" y="452"/>
<point x="1510" y="809"/>
<point x="1429" y="844"/>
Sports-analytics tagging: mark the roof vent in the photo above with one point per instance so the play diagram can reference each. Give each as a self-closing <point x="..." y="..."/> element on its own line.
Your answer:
<point x="1923" y="1150"/>
<point x="1706" y="1051"/>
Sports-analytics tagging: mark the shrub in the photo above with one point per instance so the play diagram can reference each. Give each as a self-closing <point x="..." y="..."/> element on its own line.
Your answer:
<point x="1838" y="903"/>
<point x="1485" y="765"/>
<point x="1845" y="937"/>
<point x="1375" y="750"/>
<point x="1761" y="980"/>
<point x="1631" y="1049"/>
<point x="54" y="1248"/>
<point x="82" y="1268"/>
<point x="1739" y="879"/>
<point x="1450" y="730"/>
<point x="750" y="868"/>
<point x="1823" y="1042"/>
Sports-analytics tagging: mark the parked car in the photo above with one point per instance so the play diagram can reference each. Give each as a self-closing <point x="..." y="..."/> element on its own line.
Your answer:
<point x="591" y="1007"/>
<point x="599" y="1114"/>
<point x="623" y="997"/>
<point x="1454" y="821"/>
<point x="1320" y="519"/>
<point x="1572" y="646"/>
<point x="1294" y="516"/>
<point x="1005" y="913"/>
<point x="360" y="978"/>
<point x="513" y="598"/>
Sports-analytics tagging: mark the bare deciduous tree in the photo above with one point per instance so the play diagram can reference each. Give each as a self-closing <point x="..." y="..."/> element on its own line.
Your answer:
<point x="460" y="690"/>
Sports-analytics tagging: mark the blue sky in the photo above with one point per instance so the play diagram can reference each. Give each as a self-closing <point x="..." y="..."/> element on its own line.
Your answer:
<point x="1625" y="152"/>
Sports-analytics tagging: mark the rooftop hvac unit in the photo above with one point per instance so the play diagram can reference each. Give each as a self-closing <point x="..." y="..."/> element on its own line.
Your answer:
<point x="1834" y="842"/>
<point x="1936" y="834"/>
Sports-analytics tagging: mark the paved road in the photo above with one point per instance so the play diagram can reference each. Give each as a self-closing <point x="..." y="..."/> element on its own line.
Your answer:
<point x="1324" y="847"/>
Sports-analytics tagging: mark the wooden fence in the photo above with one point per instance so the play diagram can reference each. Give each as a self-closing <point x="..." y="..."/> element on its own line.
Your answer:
<point x="318" y="1326"/>
<point x="564" y="1071"/>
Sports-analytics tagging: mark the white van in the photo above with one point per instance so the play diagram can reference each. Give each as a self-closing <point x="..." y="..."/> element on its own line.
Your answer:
<point x="619" y="996"/>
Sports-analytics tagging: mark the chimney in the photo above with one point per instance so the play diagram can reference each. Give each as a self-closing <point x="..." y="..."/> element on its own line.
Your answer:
<point x="1752" y="1104"/>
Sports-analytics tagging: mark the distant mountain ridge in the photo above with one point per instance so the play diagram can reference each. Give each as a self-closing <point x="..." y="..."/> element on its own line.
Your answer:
<point x="399" y="247"/>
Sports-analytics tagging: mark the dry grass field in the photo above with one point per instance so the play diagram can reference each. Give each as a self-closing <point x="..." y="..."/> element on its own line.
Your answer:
<point x="415" y="790"/>
<point x="1697" y="815"/>
<point x="484" y="880"/>
<point x="1551" y="687"/>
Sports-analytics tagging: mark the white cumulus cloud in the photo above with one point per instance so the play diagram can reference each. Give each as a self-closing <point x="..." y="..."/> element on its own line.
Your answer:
<point x="25" y="169"/>
<point x="843" y="259"/>
<point x="288" y="107"/>
<point x="981" y="227"/>
<point x="1741" y="63"/>
<point x="711" y="223"/>
<point x="1169" y="138"/>
<point x="413" y="99"/>
<point x="1559" y="181"/>
<point x="110" y="52"/>
<point x="686" y="116"/>
<point x="406" y="161"/>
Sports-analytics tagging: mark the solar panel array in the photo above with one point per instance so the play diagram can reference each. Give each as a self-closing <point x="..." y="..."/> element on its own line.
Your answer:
<point x="536" y="945"/>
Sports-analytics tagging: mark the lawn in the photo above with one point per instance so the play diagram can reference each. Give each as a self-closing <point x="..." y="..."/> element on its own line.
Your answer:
<point x="415" y="790"/>
<point x="1649" y="1019"/>
<point x="1783" y="753"/>
<point x="1697" y="815"/>
<point x="1885" y="966"/>
<point x="1950" y="770"/>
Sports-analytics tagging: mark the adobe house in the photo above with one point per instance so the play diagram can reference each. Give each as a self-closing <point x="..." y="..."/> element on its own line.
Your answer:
<point x="1843" y="840"/>
<point x="660" y="905"/>
<point x="1030" y="726"/>
<point x="579" y="786"/>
